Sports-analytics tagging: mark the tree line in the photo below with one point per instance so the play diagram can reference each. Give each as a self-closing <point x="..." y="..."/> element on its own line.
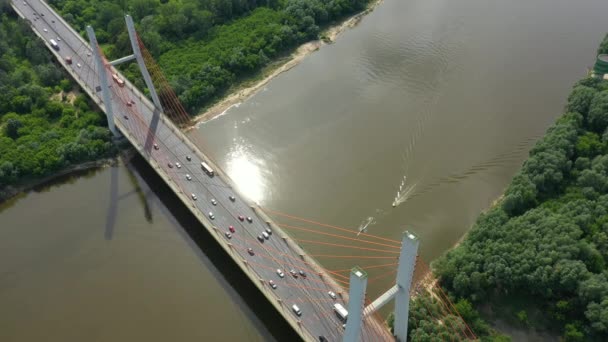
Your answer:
<point x="41" y="130"/>
<point x="429" y="321"/>
<point x="203" y="46"/>
<point x="545" y="244"/>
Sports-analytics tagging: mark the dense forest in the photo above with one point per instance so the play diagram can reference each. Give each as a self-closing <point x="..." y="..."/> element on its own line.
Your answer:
<point x="539" y="257"/>
<point x="203" y="46"/>
<point x="44" y="125"/>
<point x="429" y="320"/>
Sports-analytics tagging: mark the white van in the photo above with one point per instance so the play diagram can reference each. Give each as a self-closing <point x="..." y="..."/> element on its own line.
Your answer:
<point x="296" y="309"/>
<point x="341" y="311"/>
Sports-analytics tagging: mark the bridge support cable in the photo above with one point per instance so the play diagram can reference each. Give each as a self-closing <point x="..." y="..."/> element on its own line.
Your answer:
<point x="120" y="94"/>
<point x="447" y="302"/>
<point x="323" y="291"/>
<point x="375" y="318"/>
<point x="336" y="235"/>
<point x="398" y="244"/>
<point x="169" y="104"/>
<point x="436" y="290"/>
<point x="344" y="246"/>
<point x="282" y="263"/>
<point x="366" y="268"/>
<point x="142" y="129"/>
<point x="429" y="302"/>
<point x="351" y="256"/>
<point x="165" y="87"/>
<point x="179" y="113"/>
<point x="311" y="296"/>
<point x="173" y="106"/>
<point x="131" y="118"/>
<point x="103" y="81"/>
<point x="445" y="310"/>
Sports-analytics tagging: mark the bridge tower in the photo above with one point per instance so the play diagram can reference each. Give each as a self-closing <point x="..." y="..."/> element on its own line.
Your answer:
<point x="103" y="81"/>
<point x="356" y="297"/>
<point x="401" y="290"/>
<point x="405" y="275"/>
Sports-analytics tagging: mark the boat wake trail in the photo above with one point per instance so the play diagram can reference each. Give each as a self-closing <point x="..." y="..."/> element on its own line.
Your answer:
<point x="404" y="193"/>
<point x="363" y="226"/>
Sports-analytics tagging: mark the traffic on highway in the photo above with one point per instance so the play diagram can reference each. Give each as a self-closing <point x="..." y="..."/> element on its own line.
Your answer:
<point x="312" y="299"/>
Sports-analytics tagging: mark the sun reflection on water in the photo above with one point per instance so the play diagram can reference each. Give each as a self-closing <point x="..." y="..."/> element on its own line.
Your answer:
<point x="244" y="169"/>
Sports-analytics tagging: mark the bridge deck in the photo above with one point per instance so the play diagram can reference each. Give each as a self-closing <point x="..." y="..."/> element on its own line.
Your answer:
<point x="309" y="293"/>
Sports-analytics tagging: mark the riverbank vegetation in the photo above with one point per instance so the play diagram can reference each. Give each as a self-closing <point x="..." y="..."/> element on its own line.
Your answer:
<point x="540" y="257"/>
<point x="430" y="320"/>
<point x="44" y="125"/>
<point x="204" y="46"/>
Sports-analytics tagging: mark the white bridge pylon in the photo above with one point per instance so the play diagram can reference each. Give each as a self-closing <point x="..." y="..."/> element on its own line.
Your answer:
<point x="140" y="62"/>
<point x="400" y="293"/>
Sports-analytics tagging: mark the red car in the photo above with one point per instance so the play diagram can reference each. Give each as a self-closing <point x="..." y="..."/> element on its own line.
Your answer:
<point x="241" y="218"/>
<point x="231" y="229"/>
<point x="250" y="251"/>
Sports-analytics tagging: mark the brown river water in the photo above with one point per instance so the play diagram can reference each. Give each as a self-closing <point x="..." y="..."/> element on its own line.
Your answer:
<point x="442" y="99"/>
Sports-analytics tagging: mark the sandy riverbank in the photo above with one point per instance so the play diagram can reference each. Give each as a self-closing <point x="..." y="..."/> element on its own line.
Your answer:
<point x="245" y="91"/>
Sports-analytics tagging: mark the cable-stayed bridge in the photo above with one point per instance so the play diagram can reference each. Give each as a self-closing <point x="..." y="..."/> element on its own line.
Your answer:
<point x="313" y="300"/>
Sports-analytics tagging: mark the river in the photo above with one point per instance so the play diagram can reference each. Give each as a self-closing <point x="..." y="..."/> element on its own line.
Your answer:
<point x="441" y="98"/>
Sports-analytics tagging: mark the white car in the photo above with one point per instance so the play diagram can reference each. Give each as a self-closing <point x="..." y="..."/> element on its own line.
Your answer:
<point x="213" y="201"/>
<point x="78" y="65"/>
<point x="272" y="284"/>
<point x="332" y="294"/>
<point x="211" y="216"/>
<point x="194" y="197"/>
<point x="280" y="273"/>
<point x="58" y="39"/>
<point x="178" y="165"/>
<point x="45" y="30"/>
<point x="188" y="177"/>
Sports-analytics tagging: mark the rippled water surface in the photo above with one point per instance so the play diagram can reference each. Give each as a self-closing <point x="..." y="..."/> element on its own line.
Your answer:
<point x="432" y="104"/>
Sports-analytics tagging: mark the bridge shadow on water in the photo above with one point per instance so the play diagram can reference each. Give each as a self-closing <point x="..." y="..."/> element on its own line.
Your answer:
<point x="266" y="319"/>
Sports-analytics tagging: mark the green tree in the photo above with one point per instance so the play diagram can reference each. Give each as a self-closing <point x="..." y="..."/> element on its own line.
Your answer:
<point x="598" y="112"/>
<point x="597" y="313"/>
<point x="12" y="128"/>
<point x="53" y="109"/>
<point x="589" y="145"/>
<point x="572" y="334"/>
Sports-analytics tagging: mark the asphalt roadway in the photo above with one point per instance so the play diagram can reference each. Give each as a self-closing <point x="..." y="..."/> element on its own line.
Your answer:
<point x="309" y="293"/>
